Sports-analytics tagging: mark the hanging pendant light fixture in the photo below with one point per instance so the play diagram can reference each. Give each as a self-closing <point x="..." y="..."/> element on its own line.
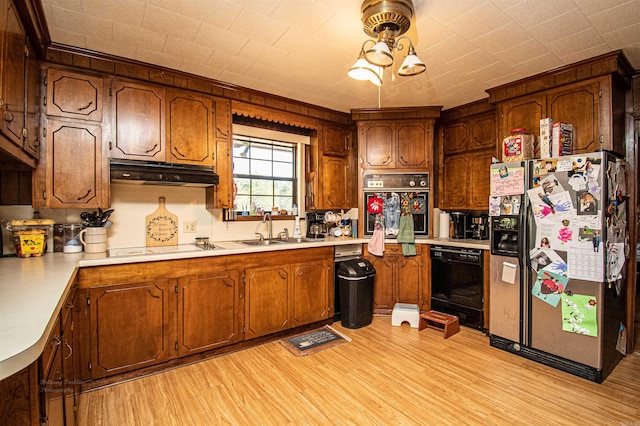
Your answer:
<point x="386" y="21"/>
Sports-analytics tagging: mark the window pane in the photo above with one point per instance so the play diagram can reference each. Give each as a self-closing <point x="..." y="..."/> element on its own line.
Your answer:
<point x="264" y="173"/>
<point x="241" y="166"/>
<point x="260" y="151"/>
<point x="261" y="187"/>
<point x="261" y="168"/>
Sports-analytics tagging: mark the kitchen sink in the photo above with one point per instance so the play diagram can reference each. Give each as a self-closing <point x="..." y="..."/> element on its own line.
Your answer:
<point x="260" y="242"/>
<point x="277" y="241"/>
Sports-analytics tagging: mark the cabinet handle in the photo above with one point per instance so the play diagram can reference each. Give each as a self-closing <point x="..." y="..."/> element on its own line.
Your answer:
<point x="151" y="149"/>
<point x="85" y="195"/>
<point x="55" y="342"/>
<point x="387" y="160"/>
<point x="8" y="116"/>
<point x="70" y="350"/>
<point x="178" y="151"/>
<point x="85" y="107"/>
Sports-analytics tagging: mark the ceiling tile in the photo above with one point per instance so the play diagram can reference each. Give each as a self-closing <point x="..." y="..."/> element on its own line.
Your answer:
<point x="560" y="27"/>
<point x="533" y="12"/>
<point x="306" y="16"/>
<point x="220" y="39"/>
<point x="158" y="58"/>
<point x="186" y="51"/>
<point x="144" y="38"/>
<point x="591" y="7"/>
<point x="575" y="43"/>
<point x="222" y="60"/>
<point x="502" y="38"/>
<point x="125" y="11"/>
<point x="170" y="23"/>
<point x="101" y="44"/>
<point x="473" y="23"/>
<point x="616" y="17"/>
<point x="262" y="53"/>
<point x="218" y="13"/>
<point x="258" y="27"/>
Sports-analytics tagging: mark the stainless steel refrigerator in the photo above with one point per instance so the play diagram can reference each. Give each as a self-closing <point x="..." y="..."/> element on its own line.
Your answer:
<point x="558" y="261"/>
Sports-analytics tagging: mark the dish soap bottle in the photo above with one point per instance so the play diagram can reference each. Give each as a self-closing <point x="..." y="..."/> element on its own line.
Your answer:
<point x="296" y="228"/>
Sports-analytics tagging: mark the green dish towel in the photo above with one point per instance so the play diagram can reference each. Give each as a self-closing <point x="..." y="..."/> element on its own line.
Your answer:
<point x="406" y="235"/>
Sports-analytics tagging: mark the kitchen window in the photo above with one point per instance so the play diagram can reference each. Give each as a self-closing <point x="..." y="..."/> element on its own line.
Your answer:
<point x="266" y="166"/>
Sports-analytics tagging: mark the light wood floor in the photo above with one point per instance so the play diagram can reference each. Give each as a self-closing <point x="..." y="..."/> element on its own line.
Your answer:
<point x="385" y="376"/>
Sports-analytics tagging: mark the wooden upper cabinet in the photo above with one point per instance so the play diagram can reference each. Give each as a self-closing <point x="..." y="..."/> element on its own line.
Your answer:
<point x="483" y="132"/>
<point x="455" y="177"/>
<point x="220" y="196"/>
<point x="190" y="128"/>
<point x="12" y="81"/>
<point x="223" y="118"/>
<point x="524" y="112"/>
<point x="413" y="144"/>
<point x="73" y="95"/>
<point x="479" y="187"/>
<point x="335" y="141"/>
<point x="589" y="94"/>
<point x="395" y="144"/>
<point x="33" y="136"/>
<point x="579" y="105"/>
<point x="376" y="144"/>
<point x="468" y="144"/>
<point x="138" y="121"/>
<point x="336" y="183"/>
<point x="75" y="175"/>
<point x="455" y="137"/>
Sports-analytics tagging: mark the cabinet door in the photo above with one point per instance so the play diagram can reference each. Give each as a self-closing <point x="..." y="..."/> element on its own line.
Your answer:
<point x="138" y="121"/>
<point x="268" y="300"/>
<point x="377" y="142"/>
<point x="383" y="297"/>
<point x="53" y="395"/>
<point x="190" y="126"/>
<point x="455" y="177"/>
<point x="12" y="95"/>
<point x="413" y="147"/>
<point x="523" y="112"/>
<point x="455" y="137"/>
<point x="409" y="281"/>
<point x="221" y="195"/>
<point x="33" y="135"/>
<point x="131" y="326"/>
<point x="68" y="371"/>
<point x="75" y="176"/>
<point x="73" y="95"/>
<point x="479" y="188"/>
<point x="336" y="183"/>
<point x="335" y="141"/>
<point x="483" y="132"/>
<point x="311" y="296"/>
<point x="579" y="105"/>
<point x="208" y="312"/>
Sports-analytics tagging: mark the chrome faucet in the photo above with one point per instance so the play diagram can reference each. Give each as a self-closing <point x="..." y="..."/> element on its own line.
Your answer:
<point x="270" y="225"/>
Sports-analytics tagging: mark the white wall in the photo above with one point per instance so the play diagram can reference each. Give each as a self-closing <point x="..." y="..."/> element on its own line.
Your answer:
<point x="132" y="203"/>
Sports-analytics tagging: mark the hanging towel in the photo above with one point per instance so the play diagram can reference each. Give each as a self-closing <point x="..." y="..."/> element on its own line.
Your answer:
<point x="376" y="243"/>
<point x="406" y="235"/>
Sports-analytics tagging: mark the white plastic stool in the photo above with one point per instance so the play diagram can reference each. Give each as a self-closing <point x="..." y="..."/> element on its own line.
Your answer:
<point x="405" y="312"/>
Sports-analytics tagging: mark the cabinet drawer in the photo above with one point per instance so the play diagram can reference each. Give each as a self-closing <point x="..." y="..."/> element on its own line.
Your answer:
<point x="397" y="249"/>
<point x="51" y="347"/>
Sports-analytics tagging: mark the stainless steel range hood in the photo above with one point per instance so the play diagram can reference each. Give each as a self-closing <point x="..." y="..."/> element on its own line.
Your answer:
<point x="168" y="174"/>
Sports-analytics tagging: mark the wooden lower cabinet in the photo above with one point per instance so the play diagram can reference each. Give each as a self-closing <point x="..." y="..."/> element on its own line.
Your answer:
<point x="268" y="294"/>
<point x="398" y="279"/>
<point x="131" y="326"/>
<point x="142" y="315"/>
<point x="312" y="291"/>
<point x="282" y="296"/>
<point x="207" y="311"/>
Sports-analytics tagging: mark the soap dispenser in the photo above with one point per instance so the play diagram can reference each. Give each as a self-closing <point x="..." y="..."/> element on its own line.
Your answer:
<point x="296" y="228"/>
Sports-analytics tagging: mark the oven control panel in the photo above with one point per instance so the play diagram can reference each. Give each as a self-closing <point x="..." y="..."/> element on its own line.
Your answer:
<point x="397" y="181"/>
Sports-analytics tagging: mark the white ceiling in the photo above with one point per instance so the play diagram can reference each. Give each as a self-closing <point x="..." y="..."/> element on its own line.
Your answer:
<point x="302" y="49"/>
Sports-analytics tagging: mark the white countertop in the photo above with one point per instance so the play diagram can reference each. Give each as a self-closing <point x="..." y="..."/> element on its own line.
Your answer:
<point x="33" y="289"/>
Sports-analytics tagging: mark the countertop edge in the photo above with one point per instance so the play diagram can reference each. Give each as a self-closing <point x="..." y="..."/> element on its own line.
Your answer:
<point x="66" y="267"/>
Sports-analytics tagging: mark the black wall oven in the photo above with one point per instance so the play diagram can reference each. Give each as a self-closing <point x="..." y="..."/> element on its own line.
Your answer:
<point x="390" y="187"/>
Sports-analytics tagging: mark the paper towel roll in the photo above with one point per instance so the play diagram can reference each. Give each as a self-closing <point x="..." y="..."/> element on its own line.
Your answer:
<point x="444" y="225"/>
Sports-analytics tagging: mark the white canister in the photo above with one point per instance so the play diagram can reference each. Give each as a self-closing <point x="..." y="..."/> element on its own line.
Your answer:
<point x="444" y="225"/>
<point x="94" y="239"/>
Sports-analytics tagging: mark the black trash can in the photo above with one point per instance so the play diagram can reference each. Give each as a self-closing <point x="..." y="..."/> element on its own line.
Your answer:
<point x="355" y="279"/>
